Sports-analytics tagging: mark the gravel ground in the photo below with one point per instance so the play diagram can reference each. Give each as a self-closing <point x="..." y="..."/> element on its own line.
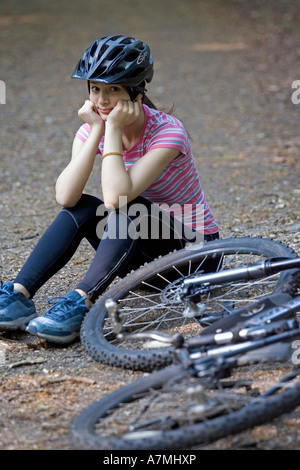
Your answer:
<point x="228" y="67"/>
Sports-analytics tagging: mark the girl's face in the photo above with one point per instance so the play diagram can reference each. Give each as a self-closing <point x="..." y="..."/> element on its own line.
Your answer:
<point x="105" y="97"/>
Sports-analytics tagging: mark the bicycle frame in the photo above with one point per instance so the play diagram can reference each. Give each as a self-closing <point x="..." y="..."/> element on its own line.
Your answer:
<point x="200" y="398"/>
<point x="214" y="356"/>
<point x="256" y="317"/>
<point x="255" y="271"/>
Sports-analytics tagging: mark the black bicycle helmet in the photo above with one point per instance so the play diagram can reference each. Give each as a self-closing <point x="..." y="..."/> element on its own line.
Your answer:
<point x="116" y="59"/>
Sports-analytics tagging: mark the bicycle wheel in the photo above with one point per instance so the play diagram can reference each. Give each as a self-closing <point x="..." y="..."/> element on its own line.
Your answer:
<point x="170" y="409"/>
<point x="148" y="302"/>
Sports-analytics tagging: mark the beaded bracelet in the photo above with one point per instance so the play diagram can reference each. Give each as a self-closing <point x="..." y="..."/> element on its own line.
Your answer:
<point x="112" y="153"/>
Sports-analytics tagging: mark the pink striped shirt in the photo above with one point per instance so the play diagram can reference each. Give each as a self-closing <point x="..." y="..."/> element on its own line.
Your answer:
<point x="178" y="188"/>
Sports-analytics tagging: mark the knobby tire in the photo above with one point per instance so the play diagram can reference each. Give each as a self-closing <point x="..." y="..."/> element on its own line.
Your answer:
<point x="104" y="348"/>
<point x="90" y="430"/>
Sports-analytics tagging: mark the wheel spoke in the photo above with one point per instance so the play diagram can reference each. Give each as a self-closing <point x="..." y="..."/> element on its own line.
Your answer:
<point x="163" y="309"/>
<point x="155" y="298"/>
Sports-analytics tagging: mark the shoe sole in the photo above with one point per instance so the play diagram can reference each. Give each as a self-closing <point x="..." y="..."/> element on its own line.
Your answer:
<point x="56" y="339"/>
<point x="18" y="324"/>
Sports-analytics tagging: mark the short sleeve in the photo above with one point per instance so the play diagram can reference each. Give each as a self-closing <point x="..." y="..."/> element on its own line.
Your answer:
<point x="83" y="133"/>
<point x="170" y="135"/>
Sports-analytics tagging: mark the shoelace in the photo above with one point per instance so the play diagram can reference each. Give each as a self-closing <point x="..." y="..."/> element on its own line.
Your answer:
<point x="5" y="291"/>
<point x="61" y="307"/>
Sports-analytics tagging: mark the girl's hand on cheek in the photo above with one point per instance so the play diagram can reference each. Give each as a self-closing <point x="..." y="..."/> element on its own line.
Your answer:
<point x="125" y="113"/>
<point x="89" y="114"/>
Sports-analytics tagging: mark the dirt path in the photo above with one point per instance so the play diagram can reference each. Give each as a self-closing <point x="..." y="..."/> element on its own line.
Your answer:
<point x="228" y="66"/>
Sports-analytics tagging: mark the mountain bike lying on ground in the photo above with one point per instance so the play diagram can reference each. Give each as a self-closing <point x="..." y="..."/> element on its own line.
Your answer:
<point x="222" y="382"/>
<point x="172" y="294"/>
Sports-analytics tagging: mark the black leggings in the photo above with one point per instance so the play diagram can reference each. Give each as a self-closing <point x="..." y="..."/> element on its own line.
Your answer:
<point x="117" y="237"/>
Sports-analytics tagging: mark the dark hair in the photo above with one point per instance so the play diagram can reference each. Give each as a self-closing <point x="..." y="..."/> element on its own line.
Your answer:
<point x="134" y="91"/>
<point x="148" y="102"/>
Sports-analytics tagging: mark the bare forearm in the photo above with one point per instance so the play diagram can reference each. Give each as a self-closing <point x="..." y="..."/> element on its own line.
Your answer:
<point x="114" y="177"/>
<point x="71" y="182"/>
<point x="125" y="124"/>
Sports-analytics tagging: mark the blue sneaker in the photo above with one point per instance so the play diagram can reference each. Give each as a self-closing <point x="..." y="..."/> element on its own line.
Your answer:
<point x="62" y="322"/>
<point x="15" y="309"/>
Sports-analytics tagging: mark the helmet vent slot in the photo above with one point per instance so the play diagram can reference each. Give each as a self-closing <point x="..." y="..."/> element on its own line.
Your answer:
<point x="132" y="56"/>
<point x="114" y="53"/>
